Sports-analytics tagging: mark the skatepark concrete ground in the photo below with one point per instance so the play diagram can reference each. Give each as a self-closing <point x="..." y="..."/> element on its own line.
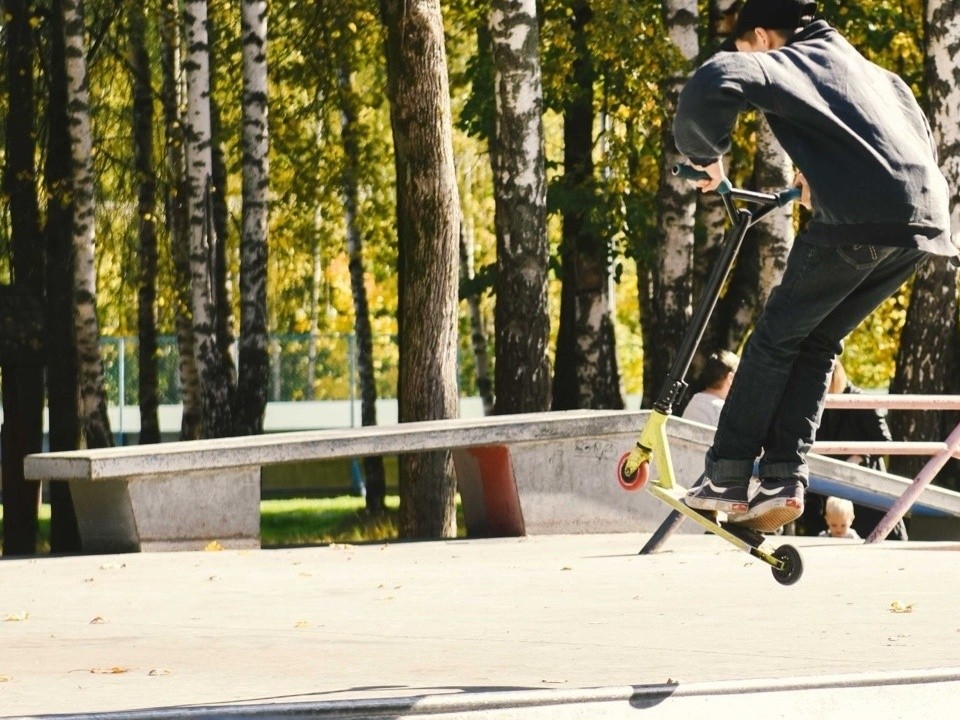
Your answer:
<point x="537" y="627"/>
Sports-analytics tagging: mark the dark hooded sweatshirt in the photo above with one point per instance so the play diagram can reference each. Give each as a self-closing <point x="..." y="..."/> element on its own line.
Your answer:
<point x="852" y="128"/>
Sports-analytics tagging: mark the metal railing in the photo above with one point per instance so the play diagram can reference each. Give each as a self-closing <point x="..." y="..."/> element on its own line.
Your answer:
<point x="939" y="452"/>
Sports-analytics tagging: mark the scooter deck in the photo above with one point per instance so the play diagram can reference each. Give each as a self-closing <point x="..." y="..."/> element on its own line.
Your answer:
<point x="750" y="541"/>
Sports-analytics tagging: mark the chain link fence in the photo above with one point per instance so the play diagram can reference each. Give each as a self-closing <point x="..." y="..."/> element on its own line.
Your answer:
<point x="322" y="367"/>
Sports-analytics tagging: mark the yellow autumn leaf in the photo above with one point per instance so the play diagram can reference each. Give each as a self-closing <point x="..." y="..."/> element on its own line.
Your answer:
<point x="18" y="617"/>
<point x="213" y="546"/>
<point x="898" y="607"/>
<point x="115" y="670"/>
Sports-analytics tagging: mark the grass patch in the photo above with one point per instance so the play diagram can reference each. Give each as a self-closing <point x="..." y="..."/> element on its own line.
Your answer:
<point x="43" y="530"/>
<point x="302" y="521"/>
<point x="311" y="521"/>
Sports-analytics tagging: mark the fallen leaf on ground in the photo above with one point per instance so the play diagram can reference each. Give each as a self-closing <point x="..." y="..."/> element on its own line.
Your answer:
<point x="18" y="617"/>
<point x="213" y="546"/>
<point x="898" y="607"/>
<point x="301" y="623"/>
<point x="4" y="678"/>
<point x="97" y="620"/>
<point x="116" y="670"/>
<point x="158" y="671"/>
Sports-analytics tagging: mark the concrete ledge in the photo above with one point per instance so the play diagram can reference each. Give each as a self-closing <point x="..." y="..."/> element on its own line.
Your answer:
<point x="187" y="511"/>
<point x="914" y="694"/>
<point x="259" y="450"/>
<point x="527" y="474"/>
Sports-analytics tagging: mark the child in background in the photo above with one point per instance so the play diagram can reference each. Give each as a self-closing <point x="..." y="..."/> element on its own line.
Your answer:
<point x="716" y="378"/>
<point x="839" y="517"/>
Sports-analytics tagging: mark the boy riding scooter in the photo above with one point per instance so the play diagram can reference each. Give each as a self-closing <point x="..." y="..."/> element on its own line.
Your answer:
<point x="879" y="203"/>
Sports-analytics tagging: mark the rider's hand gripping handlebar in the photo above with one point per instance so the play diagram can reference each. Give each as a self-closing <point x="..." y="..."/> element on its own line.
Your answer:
<point x="689" y="172"/>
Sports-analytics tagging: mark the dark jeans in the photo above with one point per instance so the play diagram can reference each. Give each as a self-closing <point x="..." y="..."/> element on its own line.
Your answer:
<point x="774" y="406"/>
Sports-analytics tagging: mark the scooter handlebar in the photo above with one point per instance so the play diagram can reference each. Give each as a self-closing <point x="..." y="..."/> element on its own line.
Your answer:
<point x="785" y="197"/>
<point x="689" y="172"/>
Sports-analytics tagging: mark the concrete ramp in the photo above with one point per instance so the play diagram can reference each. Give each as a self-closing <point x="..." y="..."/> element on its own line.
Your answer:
<point x="567" y="484"/>
<point x="559" y="627"/>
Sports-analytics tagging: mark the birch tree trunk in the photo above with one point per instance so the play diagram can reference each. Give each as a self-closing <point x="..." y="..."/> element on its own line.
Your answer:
<point x="253" y="380"/>
<point x="772" y="171"/>
<point x="586" y="373"/>
<point x="928" y="358"/>
<point x="712" y="216"/>
<point x="147" y="230"/>
<point x="676" y="200"/>
<point x="93" y="400"/>
<point x="763" y="255"/>
<point x="178" y="216"/>
<point x="428" y="216"/>
<point x="522" y="368"/>
<point x="215" y="387"/>
<point x="62" y="388"/>
<point x="22" y="390"/>
<point x="219" y="214"/>
<point x="374" y="476"/>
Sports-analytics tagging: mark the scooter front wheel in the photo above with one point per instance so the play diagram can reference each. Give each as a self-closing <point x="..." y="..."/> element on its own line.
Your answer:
<point x="636" y="480"/>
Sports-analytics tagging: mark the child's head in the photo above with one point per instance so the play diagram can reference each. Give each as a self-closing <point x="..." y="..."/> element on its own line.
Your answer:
<point x="839" y="515"/>
<point x="718" y="371"/>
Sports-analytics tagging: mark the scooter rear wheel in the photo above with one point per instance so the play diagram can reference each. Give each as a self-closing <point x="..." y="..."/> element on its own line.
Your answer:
<point x="792" y="565"/>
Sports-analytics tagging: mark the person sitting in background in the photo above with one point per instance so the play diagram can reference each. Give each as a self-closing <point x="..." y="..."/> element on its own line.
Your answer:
<point x="716" y="378"/>
<point x="839" y="516"/>
<point x="869" y="425"/>
<point x="838" y="424"/>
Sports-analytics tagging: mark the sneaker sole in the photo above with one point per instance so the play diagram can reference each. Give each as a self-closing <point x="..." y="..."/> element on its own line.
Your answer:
<point x="724" y="506"/>
<point x="771" y="520"/>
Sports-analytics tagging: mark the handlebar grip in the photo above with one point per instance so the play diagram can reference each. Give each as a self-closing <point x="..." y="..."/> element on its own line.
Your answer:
<point x="785" y="197"/>
<point x="689" y="172"/>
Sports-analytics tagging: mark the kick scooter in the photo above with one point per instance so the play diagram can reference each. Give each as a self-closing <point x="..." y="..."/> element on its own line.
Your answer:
<point x="633" y="470"/>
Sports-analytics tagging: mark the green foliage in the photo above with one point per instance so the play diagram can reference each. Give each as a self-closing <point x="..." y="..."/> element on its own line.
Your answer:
<point x="888" y="32"/>
<point x="870" y="352"/>
<point x="309" y="44"/>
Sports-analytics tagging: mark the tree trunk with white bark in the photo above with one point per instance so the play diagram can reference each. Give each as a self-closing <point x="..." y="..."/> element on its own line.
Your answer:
<point x="216" y="390"/>
<point x="522" y="323"/>
<point x="254" y="366"/>
<point x="93" y="399"/>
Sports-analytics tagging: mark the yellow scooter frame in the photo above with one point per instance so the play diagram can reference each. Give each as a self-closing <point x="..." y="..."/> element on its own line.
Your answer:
<point x="633" y="471"/>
